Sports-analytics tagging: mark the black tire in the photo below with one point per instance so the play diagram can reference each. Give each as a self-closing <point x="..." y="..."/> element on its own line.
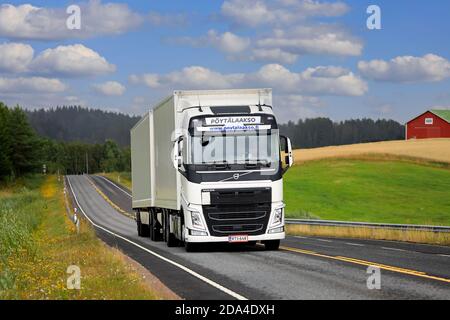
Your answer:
<point x="151" y="226"/>
<point x="143" y="229"/>
<point x="169" y="237"/>
<point x="272" y="245"/>
<point x="138" y="223"/>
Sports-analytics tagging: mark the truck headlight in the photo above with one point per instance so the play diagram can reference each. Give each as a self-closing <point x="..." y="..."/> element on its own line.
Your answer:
<point x="197" y="220"/>
<point x="278" y="217"/>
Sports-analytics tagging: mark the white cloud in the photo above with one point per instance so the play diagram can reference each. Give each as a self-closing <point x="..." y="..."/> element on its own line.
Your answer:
<point x="317" y="39"/>
<point x="72" y="60"/>
<point x="31" y="85"/>
<point x="110" y="88"/>
<point x="430" y="67"/>
<point x="282" y="45"/>
<point x="15" y="57"/>
<point x="312" y="81"/>
<point x="227" y="42"/>
<point x="294" y="107"/>
<point x="74" y="101"/>
<point x="30" y="22"/>
<point x="273" y="55"/>
<point x="259" y="12"/>
<point x="149" y="80"/>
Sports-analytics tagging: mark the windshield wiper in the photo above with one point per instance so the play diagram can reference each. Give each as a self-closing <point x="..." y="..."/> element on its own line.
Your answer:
<point x="258" y="163"/>
<point x="219" y="165"/>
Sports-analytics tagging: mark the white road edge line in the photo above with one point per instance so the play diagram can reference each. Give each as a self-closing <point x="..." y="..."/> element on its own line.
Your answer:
<point x="115" y="185"/>
<point x="444" y="255"/>
<point x="323" y="240"/>
<point x="191" y="272"/>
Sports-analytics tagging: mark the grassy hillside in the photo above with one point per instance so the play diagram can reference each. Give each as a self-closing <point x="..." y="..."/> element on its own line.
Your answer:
<point x="436" y="150"/>
<point x="38" y="243"/>
<point x="369" y="191"/>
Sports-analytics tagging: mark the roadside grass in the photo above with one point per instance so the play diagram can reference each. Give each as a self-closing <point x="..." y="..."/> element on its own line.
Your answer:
<point x="373" y="234"/>
<point x="38" y="243"/>
<point x="369" y="191"/>
<point x="123" y="178"/>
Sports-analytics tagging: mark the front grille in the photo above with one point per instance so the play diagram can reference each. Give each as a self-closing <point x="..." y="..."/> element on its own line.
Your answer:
<point x="240" y="211"/>
<point x="234" y="229"/>
<point x="227" y="216"/>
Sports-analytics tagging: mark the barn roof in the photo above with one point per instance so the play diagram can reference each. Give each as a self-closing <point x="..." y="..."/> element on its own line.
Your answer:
<point x="444" y="114"/>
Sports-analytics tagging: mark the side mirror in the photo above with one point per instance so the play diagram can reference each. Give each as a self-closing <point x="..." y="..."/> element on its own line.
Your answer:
<point x="285" y="142"/>
<point x="177" y="157"/>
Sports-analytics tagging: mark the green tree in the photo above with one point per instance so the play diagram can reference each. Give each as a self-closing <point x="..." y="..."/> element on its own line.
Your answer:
<point x="112" y="157"/>
<point x="25" y="150"/>
<point x="5" y="142"/>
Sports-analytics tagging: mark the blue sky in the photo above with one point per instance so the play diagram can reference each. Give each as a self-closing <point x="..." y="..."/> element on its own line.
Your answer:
<point x="318" y="56"/>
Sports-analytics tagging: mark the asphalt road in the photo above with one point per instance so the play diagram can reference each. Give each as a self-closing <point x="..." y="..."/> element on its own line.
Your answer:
<point x="306" y="267"/>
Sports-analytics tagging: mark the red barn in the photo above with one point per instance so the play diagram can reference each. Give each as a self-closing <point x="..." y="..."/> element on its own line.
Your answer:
<point x="431" y="124"/>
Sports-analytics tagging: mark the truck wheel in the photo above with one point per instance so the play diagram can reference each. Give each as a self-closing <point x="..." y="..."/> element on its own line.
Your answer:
<point x="272" y="245"/>
<point x="170" y="237"/>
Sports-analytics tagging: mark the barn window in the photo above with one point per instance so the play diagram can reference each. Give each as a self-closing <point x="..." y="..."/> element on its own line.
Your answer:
<point x="429" y="121"/>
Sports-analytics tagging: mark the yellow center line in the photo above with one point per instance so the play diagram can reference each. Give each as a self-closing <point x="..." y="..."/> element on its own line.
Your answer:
<point x="112" y="204"/>
<point x="367" y="263"/>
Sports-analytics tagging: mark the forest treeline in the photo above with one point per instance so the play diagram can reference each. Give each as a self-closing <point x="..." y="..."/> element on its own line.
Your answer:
<point x="23" y="151"/>
<point x="97" y="126"/>
<point x="81" y="124"/>
<point x="322" y="132"/>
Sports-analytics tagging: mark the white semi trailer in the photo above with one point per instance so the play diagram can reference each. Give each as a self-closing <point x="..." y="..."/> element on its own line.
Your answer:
<point x="207" y="166"/>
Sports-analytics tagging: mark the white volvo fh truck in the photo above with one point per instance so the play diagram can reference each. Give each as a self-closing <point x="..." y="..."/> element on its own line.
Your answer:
<point x="207" y="166"/>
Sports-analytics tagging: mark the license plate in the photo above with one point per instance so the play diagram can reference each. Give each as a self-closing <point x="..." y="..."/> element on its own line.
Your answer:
<point x="238" y="239"/>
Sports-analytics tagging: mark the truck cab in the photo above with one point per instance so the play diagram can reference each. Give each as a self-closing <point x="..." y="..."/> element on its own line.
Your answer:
<point x="229" y="160"/>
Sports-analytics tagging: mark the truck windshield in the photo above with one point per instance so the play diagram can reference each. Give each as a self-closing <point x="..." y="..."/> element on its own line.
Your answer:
<point x="249" y="147"/>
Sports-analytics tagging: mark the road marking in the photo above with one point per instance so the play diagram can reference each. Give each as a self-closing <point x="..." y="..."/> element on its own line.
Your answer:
<point x="323" y="240"/>
<point x="354" y="244"/>
<point x="392" y="249"/>
<point x="115" y="185"/>
<point x="300" y="237"/>
<point x="111" y="203"/>
<point x="444" y="255"/>
<point x="368" y="264"/>
<point x="176" y="264"/>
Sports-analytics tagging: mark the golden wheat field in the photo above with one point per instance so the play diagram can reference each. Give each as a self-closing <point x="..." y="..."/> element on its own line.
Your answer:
<point x="437" y="150"/>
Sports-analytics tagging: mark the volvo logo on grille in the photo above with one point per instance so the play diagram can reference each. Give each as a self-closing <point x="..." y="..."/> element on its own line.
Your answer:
<point x="236" y="176"/>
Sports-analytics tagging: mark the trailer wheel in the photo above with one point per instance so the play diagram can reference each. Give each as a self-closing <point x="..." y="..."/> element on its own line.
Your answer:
<point x="138" y="223"/>
<point x="272" y="245"/>
<point x="152" y="225"/>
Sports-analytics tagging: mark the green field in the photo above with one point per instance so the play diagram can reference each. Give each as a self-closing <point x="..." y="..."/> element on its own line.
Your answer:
<point x="369" y="191"/>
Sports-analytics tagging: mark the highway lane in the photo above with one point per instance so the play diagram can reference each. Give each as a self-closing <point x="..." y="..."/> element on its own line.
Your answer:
<point x="255" y="274"/>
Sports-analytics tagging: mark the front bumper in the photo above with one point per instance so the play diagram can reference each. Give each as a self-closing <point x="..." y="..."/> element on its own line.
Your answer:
<point x="209" y="239"/>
